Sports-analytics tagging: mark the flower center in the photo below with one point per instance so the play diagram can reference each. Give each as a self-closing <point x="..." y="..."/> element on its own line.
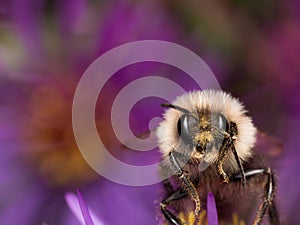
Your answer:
<point x="52" y="147"/>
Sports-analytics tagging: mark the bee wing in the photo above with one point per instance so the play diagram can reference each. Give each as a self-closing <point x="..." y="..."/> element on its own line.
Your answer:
<point x="268" y="145"/>
<point x="208" y="159"/>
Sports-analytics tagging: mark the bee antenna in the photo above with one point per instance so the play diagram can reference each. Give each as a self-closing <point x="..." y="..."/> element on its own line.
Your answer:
<point x="168" y="105"/>
<point x="221" y="131"/>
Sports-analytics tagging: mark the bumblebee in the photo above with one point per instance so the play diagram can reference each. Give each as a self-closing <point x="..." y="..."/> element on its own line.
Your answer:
<point x="208" y="141"/>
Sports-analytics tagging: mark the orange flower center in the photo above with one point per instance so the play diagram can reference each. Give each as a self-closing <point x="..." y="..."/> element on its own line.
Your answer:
<point x="52" y="147"/>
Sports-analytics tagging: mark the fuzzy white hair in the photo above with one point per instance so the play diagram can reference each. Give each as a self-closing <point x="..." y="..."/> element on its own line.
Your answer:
<point x="218" y="102"/>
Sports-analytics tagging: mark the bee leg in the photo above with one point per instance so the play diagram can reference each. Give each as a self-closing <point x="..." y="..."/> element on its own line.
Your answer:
<point x="170" y="217"/>
<point x="268" y="198"/>
<point x="223" y="156"/>
<point x="221" y="159"/>
<point x="187" y="184"/>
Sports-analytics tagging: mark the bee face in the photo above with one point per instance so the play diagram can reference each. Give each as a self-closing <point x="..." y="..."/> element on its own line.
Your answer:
<point x="202" y="132"/>
<point x="199" y="131"/>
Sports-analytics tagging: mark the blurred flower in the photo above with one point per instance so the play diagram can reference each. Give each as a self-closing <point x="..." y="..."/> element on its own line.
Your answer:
<point x="40" y="67"/>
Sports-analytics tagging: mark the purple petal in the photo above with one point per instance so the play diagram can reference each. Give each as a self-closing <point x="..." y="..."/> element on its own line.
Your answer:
<point x="212" y="215"/>
<point x="84" y="208"/>
<point x="80" y="210"/>
<point x="73" y="204"/>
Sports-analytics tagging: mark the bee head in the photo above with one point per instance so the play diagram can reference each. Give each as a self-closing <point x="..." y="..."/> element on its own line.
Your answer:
<point x="203" y="132"/>
<point x="200" y="124"/>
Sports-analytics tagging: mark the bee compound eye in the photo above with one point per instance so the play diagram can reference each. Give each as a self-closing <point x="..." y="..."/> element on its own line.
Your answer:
<point x="184" y="125"/>
<point x="222" y="122"/>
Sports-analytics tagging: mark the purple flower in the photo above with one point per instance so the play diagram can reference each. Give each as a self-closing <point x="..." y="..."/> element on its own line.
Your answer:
<point x="41" y="67"/>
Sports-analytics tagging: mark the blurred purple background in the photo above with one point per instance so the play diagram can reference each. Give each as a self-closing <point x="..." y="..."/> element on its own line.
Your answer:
<point x="253" y="47"/>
